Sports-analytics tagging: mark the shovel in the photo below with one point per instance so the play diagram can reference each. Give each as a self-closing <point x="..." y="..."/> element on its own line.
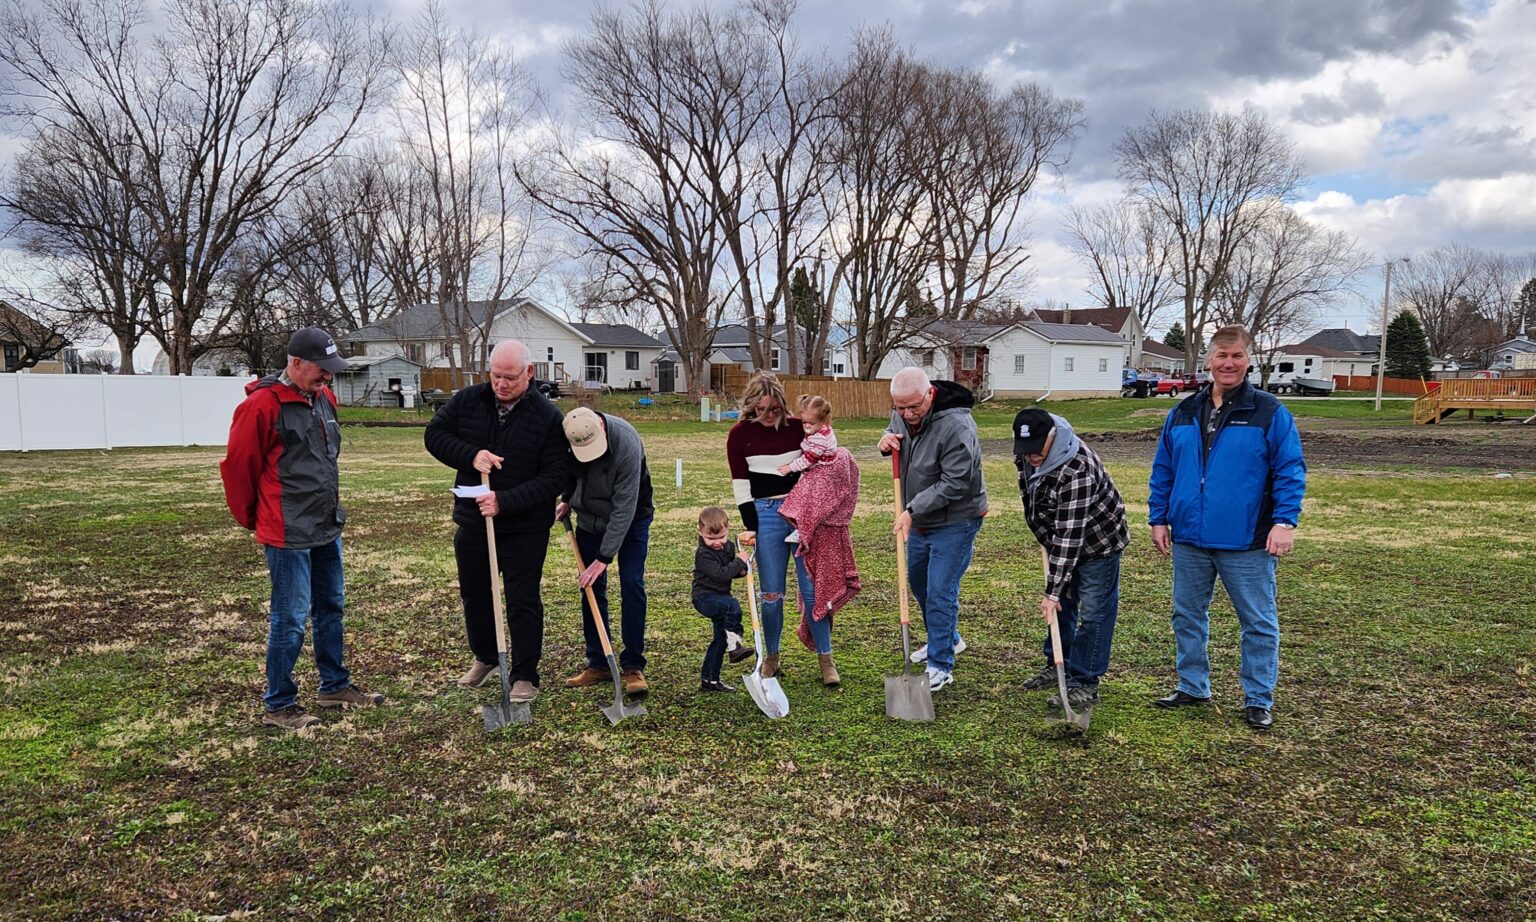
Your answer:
<point x="1076" y="721"/>
<point x="767" y="694"/>
<point x="907" y="696"/>
<point x="508" y="712"/>
<point x="618" y="710"/>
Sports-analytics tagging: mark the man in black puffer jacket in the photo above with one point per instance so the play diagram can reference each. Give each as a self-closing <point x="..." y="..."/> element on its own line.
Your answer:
<point x="510" y="431"/>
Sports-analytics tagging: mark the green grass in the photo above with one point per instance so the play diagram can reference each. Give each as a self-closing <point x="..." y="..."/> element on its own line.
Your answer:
<point x="135" y="779"/>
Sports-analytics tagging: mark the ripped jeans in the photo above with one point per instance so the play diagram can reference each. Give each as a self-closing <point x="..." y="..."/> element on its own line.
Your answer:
<point x="772" y="559"/>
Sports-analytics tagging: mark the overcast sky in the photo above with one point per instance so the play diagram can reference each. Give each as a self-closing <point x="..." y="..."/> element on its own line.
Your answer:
<point x="1416" y="118"/>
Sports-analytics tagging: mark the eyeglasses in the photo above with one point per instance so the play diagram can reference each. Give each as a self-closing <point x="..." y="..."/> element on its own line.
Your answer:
<point x="772" y="410"/>
<point x="913" y="408"/>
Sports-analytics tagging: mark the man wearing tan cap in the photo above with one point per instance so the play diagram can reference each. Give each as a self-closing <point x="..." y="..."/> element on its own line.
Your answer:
<point x="611" y="495"/>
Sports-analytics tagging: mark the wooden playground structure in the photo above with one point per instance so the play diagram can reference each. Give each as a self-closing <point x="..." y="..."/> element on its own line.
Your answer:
<point x="1516" y="396"/>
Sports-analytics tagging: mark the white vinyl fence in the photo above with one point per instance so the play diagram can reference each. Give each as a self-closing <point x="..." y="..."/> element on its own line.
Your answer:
<point x="42" y="412"/>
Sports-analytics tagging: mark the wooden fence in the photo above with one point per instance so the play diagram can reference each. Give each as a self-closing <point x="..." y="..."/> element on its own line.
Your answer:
<point x="850" y="397"/>
<point x="1411" y="387"/>
<point x="450" y="380"/>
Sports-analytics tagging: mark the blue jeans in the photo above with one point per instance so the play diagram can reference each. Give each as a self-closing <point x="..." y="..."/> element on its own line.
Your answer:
<point x="631" y="563"/>
<point x="725" y="612"/>
<point x="1249" y="577"/>
<point x="772" y="558"/>
<point x="305" y="582"/>
<point x="936" y="559"/>
<point x="1089" y="608"/>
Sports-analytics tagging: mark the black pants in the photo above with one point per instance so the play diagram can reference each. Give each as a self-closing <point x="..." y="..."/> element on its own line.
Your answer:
<point x="522" y="565"/>
<point x="725" y="612"/>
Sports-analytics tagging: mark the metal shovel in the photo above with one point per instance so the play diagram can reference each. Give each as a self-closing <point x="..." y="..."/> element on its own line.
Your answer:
<point x="509" y="712"/>
<point x="767" y="694"/>
<point x="907" y="695"/>
<point x="618" y="710"/>
<point x="1074" y="720"/>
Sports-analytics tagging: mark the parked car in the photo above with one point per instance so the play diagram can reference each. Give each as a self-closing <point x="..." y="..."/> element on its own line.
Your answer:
<point x="1137" y="384"/>
<point x="1170" y="386"/>
<point x="1195" y="381"/>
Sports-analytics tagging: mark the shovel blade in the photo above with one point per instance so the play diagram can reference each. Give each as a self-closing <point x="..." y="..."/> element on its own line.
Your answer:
<point x="771" y="701"/>
<point x="907" y="697"/>
<point x="497" y="717"/>
<point x="619" y="711"/>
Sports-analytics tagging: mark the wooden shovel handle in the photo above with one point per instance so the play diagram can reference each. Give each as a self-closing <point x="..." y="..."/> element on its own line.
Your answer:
<point x="901" y="540"/>
<point x="1045" y="567"/>
<point x="495" y="568"/>
<point x="581" y="567"/>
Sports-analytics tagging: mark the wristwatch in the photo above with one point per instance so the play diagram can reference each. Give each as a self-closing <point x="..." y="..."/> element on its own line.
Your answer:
<point x="1286" y="525"/>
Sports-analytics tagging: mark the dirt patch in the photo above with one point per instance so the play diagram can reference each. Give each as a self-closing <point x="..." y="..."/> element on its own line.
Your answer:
<point x="1342" y="444"/>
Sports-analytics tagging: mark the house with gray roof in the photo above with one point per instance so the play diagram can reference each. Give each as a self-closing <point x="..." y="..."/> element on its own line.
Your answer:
<point x="1028" y="358"/>
<point x="593" y="355"/>
<point x="732" y="347"/>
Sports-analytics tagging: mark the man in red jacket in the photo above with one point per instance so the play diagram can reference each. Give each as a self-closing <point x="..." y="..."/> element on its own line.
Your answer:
<point x="281" y="481"/>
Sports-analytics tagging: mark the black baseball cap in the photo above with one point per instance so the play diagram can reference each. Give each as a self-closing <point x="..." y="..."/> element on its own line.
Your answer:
<point x="316" y="345"/>
<point x="1030" y="430"/>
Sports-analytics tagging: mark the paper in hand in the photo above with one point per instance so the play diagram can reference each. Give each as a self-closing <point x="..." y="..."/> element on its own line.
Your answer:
<point x="478" y="489"/>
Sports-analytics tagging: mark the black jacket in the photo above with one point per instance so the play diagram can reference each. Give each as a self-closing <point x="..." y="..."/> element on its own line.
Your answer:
<point x="531" y="441"/>
<point x="713" y="570"/>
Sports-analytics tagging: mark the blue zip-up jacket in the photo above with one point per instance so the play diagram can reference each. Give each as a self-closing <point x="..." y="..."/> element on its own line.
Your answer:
<point x="1253" y="480"/>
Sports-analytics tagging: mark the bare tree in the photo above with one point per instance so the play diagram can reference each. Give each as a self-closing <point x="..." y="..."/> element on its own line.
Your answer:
<point x="878" y="194"/>
<point x="226" y="110"/>
<point x="636" y="195"/>
<point x="1129" y="251"/>
<point x="1281" y="276"/>
<point x="1214" y="178"/>
<point x="93" y="243"/>
<point x="463" y="104"/>
<point x="1445" y="286"/>
<point x="1505" y="275"/>
<point x="100" y="361"/>
<point x="31" y="331"/>
<point x="988" y="148"/>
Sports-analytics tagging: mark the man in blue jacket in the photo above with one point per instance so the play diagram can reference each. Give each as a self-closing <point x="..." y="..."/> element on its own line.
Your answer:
<point x="1227" y="485"/>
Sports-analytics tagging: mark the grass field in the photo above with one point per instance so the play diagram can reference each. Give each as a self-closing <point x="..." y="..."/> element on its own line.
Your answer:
<point x="135" y="780"/>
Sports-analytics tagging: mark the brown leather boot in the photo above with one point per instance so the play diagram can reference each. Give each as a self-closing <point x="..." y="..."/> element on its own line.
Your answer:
<point x="634" y="683"/>
<point x="829" y="676"/>
<point x="770" y="668"/>
<point x="588" y="676"/>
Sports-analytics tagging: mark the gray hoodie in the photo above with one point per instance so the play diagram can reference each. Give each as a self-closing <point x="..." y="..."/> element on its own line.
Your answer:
<point x="941" y="463"/>
<point x="1062" y="449"/>
<point x="613" y="491"/>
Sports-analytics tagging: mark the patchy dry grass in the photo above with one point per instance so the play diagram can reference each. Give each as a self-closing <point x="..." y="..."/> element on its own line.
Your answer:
<point x="135" y="780"/>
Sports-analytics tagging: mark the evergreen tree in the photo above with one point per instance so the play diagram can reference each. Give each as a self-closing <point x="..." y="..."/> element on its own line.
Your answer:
<point x="804" y="301"/>
<point x="1174" y="339"/>
<point x="1407" y="347"/>
<point x="1525" y="309"/>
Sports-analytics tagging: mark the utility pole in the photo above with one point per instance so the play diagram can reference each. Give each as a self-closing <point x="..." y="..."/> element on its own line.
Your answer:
<point x="1381" y="360"/>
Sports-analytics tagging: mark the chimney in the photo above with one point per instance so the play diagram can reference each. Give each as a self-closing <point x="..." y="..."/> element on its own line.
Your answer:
<point x="1066" y="313"/>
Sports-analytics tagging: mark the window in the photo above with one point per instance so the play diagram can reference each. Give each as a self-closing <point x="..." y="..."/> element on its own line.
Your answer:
<point x="12" y="356"/>
<point x="968" y="358"/>
<point x="773" y="360"/>
<point x="549" y="354"/>
<point x="926" y="357"/>
<point x="1309" y="364"/>
<point x="1103" y="364"/>
<point x="1068" y="365"/>
<point x="632" y="360"/>
<point x="838" y="369"/>
<point x="1286" y="367"/>
<point x="447" y="350"/>
<point x="826" y="364"/>
<point x="1018" y="364"/>
<point x="414" y="352"/>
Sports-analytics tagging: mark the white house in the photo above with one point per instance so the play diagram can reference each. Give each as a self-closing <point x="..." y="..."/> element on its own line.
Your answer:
<point x="597" y="354"/>
<point x="1119" y="320"/>
<point x="731" y="355"/>
<point x="1518" y="353"/>
<point x="1024" y="359"/>
<point x="1160" y="357"/>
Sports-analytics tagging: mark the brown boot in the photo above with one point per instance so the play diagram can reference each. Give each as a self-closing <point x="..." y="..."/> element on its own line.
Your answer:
<point x="829" y="676"/>
<point x="588" y="676"/>
<point x="634" y="683"/>
<point x="770" y="668"/>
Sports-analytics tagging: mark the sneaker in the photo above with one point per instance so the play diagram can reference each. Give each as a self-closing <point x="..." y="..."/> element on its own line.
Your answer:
<point x="920" y="655"/>
<point x="291" y="717"/>
<point x="938" y="678"/>
<point x="634" y="683"/>
<point x="588" y="676"/>
<point x="352" y="696"/>
<point x="741" y="652"/>
<point x="523" y="690"/>
<point x="1079" y="698"/>
<point x="1045" y="678"/>
<point x="715" y="685"/>
<point x="793" y="537"/>
<point x="477" y="674"/>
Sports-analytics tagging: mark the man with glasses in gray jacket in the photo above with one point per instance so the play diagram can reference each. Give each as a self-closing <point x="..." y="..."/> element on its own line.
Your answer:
<point x="944" y="499"/>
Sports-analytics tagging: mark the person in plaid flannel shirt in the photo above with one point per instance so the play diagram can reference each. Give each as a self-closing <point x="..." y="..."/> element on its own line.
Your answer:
<point x="1076" y="513"/>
